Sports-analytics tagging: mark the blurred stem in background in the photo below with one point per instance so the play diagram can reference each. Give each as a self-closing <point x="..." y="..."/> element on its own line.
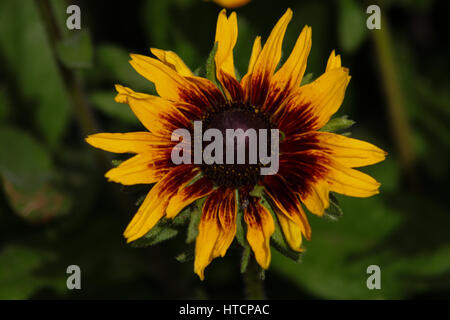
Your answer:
<point x="395" y="99"/>
<point x="72" y="78"/>
<point x="253" y="281"/>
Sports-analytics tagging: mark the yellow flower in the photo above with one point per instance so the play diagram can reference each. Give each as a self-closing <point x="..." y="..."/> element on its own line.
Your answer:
<point x="231" y="4"/>
<point x="311" y="163"/>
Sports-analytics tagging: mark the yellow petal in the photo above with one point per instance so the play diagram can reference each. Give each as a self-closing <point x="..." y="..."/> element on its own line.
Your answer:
<point x="351" y="182"/>
<point x="324" y="95"/>
<point x="136" y="170"/>
<point x="256" y="50"/>
<point x="131" y="142"/>
<point x="207" y="93"/>
<point x="153" y="212"/>
<point x="227" y="217"/>
<point x="260" y="227"/>
<point x="285" y="200"/>
<point x="291" y="73"/>
<point x="155" y="113"/>
<point x="271" y="53"/>
<point x="169" y="84"/>
<point x="172" y="60"/>
<point x="154" y="206"/>
<point x="317" y="200"/>
<point x="350" y="152"/>
<point x="334" y="61"/>
<point x="226" y="37"/>
<point x="208" y="232"/>
<point x="288" y="77"/>
<point x="267" y="61"/>
<point x="292" y="232"/>
<point x="213" y="239"/>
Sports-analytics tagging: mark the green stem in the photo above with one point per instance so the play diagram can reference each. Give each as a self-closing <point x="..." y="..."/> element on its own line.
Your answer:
<point x="71" y="79"/>
<point x="253" y="282"/>
<point x="394" y="95"/>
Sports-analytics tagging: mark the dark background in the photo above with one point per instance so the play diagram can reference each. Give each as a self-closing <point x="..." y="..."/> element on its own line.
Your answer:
<point x="57" y="209"/>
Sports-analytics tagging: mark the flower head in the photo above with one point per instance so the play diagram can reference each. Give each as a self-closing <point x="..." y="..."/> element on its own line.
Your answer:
<point x="231" y="4"/>
<point x="311" y="163"/>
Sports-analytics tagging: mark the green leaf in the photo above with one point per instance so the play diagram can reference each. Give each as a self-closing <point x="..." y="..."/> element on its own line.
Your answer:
<point x="183" y="217"/>
<point x="27" y="55"/>
<point x="240" y="228"/>
<point x="38" y="206"/>
<point x="307" y="79"/>
<point x="262" y="273"/>
<point x="5" y="105"/>
<point x="195" y="179"/>
<point x="335" y="261"/>
<point x="27" y="174"/>
<point x="196" y="214"/>
<point x="17" y="272"/>
<point x="246" y="254"/>
<point x="164" y="230"/>
<point x="237" y="74"/>
<point x="199" y="72"/>
<point x="159" y="233"/>
<point x="211" y="66"/>
<point x="187" y="255"/>
<point x="337" y="124"/>
<point x="257" y="191"/>
<point x="26" y="163"/>
<point x="352" y="30"/>
<point x="116" y="162"/>
<point x="140" y="200"/>
<point x="75" y="51"/>
<point x="334" y="211"/>
<point x="104" y="101"/>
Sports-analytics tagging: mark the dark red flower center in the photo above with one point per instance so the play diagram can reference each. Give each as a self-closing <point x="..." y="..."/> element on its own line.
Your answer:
<point x="237" y="116"/>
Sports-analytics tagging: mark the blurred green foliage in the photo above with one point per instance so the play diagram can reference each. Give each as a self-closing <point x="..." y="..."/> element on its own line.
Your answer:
<point x="56" y="208"/>
<point x="26" y="51"/>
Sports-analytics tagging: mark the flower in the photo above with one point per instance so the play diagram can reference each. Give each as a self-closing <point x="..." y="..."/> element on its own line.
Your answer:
<point x="231" y="4"/>
<point x="311" y="163"/>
